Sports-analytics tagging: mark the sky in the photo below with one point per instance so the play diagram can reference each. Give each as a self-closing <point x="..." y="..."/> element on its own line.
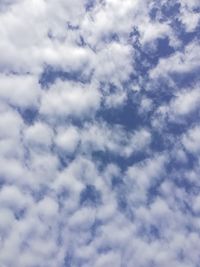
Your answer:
<point x="99" y="133"/>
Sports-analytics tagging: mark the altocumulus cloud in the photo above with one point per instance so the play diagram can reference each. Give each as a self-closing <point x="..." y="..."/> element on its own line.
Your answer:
<point x="99" y="133"/>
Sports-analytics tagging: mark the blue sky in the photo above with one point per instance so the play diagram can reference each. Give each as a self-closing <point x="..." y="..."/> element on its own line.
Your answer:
<point x="99" y="133"/>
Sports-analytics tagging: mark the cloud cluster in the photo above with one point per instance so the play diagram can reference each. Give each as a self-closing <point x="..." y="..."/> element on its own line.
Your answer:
<point x="99" y="133"/>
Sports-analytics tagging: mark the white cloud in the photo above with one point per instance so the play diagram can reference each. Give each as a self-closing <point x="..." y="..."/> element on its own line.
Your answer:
<point x="113" y="63"/>
<point x="185" y="102"/>
<point x="109" y="259"/>
<point x="38" y="134"/>
<point x="180" y="62"/>
<point x="82" y="219"/>
<point x="21" y="91"/>
<point x="12" y="198"/>
<point x="189" y="18"/>
<point x="67" y="139"/>
<point x="69" y="99"/>
<point x="11" y="124"/>
<point x="145" y="174"/>
<point x="102" y="137"/>
<point x="191" y="140"/>
<point x="110" y="17"/>
<point x="151" y="31"/>
<point x="47" y="208"/>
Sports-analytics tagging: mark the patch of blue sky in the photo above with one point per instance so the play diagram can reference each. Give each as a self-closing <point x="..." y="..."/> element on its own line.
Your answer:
<point x="126" y="115"/>
<point x="164" y="12"/>
<point x="90" y="196"/>
<point x="50" y="75"/>
<point x="29" y="115"/>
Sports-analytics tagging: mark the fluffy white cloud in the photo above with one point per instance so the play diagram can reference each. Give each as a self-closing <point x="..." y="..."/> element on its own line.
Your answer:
<point x="186" y="102"/>
<point x="180" y="62"/>
<point x="38" y="134"/>
<point x="145" y="174"/>
<point x="11" y="124"/>
<point x="151" y="31"/>
<point x="67" y="139"/>
<point x="20" y="91"/>
<point x="113" y="63"/>
<point x="183" y="105"/>
<point x="188" y="17"/>
<point x="102" y="137"/>
<point x="69" y="99"/>
<point x="191" y="140"/>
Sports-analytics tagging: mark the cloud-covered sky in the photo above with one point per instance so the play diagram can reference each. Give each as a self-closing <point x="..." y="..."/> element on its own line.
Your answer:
<point x="99" y="133"/>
